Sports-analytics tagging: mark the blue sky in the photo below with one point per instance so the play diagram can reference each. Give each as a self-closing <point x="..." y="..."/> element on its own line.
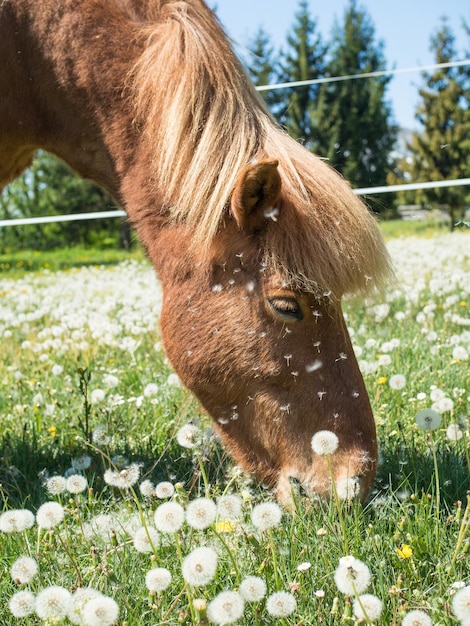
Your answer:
<point x="405" y="27"/>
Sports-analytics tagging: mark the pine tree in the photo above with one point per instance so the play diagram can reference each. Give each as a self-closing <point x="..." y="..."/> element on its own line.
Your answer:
<point x="353" y="118"/>
<point x="441" y="150"/>
<point x="263" y="68"/>
<point x="302" y="60"/>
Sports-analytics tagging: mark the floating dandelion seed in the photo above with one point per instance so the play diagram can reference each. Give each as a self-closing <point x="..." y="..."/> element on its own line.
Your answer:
<point x="22" y="604"/>
<point x="281" y="604"/>
<point x="266" y="515"/>
<point x="199" y="566"/>
<point x="461" y="604"/>
<point x="24" y="569"/>
<point x="428" y="419"/>
<point x="352" y="576"/>
<point x="169" y="517"/>
<point x="16" y="521"/>
<point x="50" y="514"/>
<point x="313" y="367"/>
<point x="324" y="442"/>
<point x="157" y="579"/>
<point x="226" y="608"/>
<point x="101" y="611"/>
<point x="416" y="618"/>
<point x="146" y="539"/>
<point x="253" y="589"/>
<point x="367" y="607"/>
<point x="188" y="436"/>
<point x="53" y="603"/>
<point x="200" y="513"/>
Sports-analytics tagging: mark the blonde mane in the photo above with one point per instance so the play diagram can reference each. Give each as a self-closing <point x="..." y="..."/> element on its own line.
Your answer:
<point x="204" y="122"/>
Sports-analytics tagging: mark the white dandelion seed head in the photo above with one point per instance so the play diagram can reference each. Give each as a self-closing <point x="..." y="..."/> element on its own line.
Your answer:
<point x="164" y="490"/>
<point x="101" y="611"/>
<point x="150" y="390"/>
<point x="368" y="607"/>
<point x="226" y="608"/>
<point x="169" y="517"/>
<point x="97" y="396"/>
<point x="76" y="483"/>
<point x="146" y="539"/>
<point x="348" y="488"/>
<point x="266" y="515"/>
<point x="200" y="513"/>
<point x="188" y="436"/>
<point x="110" y="381"/>
<point x="100" y="526"/>
<point x="57" y="369"/>
<point x="53" y="603"/>
<point x="416" y="618"/>
<point x="461" y="603"/>
<point x="303" y="567"/>
<point x="324" y="442"/>
<point x="437" y="394"/>
<point x="147" y="488"/>
<point x="352" y="576"/>
<point x="56" y="485"/>
<point x="397" y="382"/>
<point x="24" y="569"/>
<point x="281" y="604"/>
<point x="158" y="579"/>
<point x="81" y="463"/>
<point x="459" y="353"/>
<point x="124" y="478"/>
<point x="428" y="419"/>
<point x="16" y="521"/>
<point x="253" y="589"/>
<point x="454" y="432"/>
<point x="50" y="514"/>
<point x="80" y="598"/>
<point x="22" y="604"/>
<point x="229" y="507"/>
<point x="100" y="436"/>
<point x="173" y="380"/>
<point x="199" y="566"/>
<point x="443" y="405"/>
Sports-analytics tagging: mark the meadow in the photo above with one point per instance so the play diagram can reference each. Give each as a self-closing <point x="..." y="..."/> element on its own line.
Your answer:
<point x="119" y="505"/>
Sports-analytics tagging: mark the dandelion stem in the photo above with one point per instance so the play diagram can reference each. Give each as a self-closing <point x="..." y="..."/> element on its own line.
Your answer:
<point x="464" y="528"/>
<point x="338" y="503"/>
<point x="204" y="475"/>
<point x="187" y="588"/>
<point x="229" y="552"/>
<point x="438" y="491"/>
<point x="272" y="546"/>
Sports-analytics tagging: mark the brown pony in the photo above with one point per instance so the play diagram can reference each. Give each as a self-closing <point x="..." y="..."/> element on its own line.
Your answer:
<point x="254" y="239"/>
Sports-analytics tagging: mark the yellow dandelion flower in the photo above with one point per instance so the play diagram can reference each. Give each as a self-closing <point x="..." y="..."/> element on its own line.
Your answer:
<point x="382" y="380"/>
<point x="52" y="431"/>
<point x="225" y="526"/>
<point x="463" y="303"/>
<point x="405" y="551"/>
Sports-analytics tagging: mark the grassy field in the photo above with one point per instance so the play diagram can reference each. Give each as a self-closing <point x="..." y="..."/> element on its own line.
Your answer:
<point x="90" y="415"/>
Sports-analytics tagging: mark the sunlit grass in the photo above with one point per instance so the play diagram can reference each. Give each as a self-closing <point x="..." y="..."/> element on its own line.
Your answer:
<point x="83" y="375"/>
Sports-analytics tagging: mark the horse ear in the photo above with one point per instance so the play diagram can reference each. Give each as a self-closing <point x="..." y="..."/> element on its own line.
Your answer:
<point x="257" y="190"/>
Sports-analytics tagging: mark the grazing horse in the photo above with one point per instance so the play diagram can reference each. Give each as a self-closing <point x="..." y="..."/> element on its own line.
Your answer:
<point x="255" y="239"/>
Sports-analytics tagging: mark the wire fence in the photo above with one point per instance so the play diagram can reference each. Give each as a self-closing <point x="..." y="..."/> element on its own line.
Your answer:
<point x="23" y="221"/>
<point x="366" y="191"/>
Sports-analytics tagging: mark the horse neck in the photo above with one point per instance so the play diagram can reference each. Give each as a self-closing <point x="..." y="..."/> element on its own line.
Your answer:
<point x="70" y="82"/>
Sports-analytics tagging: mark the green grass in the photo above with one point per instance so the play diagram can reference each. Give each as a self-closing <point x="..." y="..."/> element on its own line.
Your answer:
<point x="48" y="418"/>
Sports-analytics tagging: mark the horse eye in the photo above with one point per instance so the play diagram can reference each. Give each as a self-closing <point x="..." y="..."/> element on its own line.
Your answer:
<point x="285" y="307"/>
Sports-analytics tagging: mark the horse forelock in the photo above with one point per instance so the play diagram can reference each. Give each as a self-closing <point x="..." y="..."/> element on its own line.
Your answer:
<point x="203" y="122"/>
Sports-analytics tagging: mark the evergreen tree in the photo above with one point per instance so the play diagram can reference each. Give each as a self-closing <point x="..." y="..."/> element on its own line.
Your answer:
<point x="441" y="150"/>
<point x="49" y="187"/>
<point x="353" y="118"/>
<point x="263" y="68"/>
<point x="304" y="59"/>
